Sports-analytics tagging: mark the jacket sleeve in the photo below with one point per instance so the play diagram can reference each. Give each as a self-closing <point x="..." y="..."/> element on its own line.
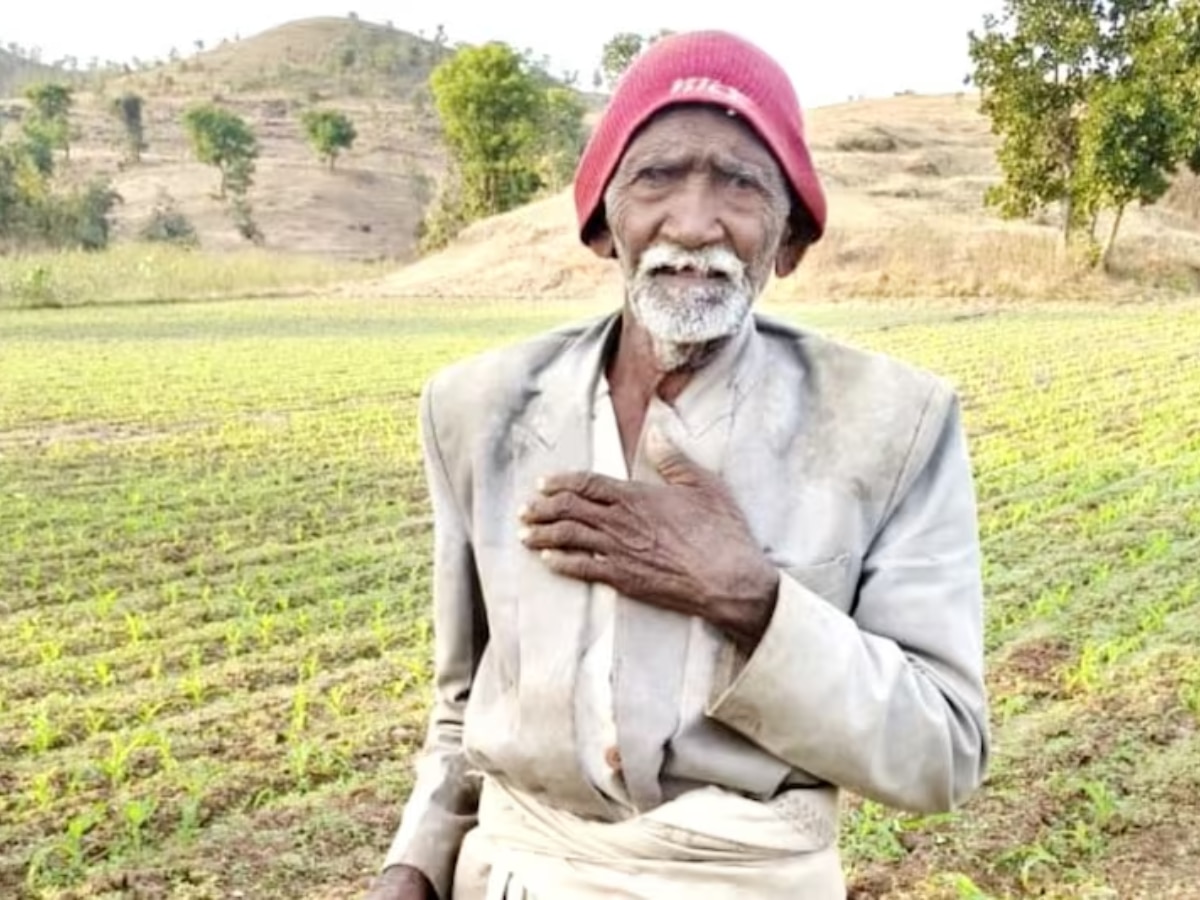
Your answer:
<point x="442" y="806"/>
<point x="889" y="702"/>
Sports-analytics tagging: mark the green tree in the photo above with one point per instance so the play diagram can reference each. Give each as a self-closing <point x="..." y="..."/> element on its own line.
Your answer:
<point x="621" y="50"/>
<point x="49" y="118"/>
<point x="222" y="139"/>
<point x="329" y="132"/>
<point x="50" y="100"/>
<point x="619" y="53"/>
<point x="491" y="106"/>
<point x="128" y="109"/>
<point x="32" y="214"/>
<point x="81" y="218"/>
<point x="1128" y="151"/>
<point x="21" y="183"/>
<point x="1032" y="66"/>
<point x="563" y="136"/>
<point x="36" y="148"/>
<point x="1093" y="102"/>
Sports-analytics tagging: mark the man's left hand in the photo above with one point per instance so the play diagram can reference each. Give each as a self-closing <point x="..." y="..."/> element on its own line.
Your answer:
<point x="683" y="545"/>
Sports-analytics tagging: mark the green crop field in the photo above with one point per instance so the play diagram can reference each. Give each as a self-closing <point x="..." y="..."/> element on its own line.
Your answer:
<point x="214" y="573"/>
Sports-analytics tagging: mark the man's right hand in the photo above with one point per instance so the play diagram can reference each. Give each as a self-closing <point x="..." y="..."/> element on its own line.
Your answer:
<point x="401" y="883"/>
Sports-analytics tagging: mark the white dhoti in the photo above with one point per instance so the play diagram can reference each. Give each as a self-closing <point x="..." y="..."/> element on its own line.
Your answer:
<point x="707" y="844"/>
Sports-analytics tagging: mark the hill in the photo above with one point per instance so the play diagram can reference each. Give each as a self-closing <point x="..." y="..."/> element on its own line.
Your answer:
<point x="905" y="177"/>
<point x="327" y="56"/>
<point x="366" y="210"/>
<point x="16" y="71"/>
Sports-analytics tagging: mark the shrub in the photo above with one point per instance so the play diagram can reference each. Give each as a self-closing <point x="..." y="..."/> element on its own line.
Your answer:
<point x="168" y="225"/>
<point x="874" y="140"/>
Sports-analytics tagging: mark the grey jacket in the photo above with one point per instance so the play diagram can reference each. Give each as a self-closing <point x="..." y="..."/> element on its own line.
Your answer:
<point x="853" y="472"/>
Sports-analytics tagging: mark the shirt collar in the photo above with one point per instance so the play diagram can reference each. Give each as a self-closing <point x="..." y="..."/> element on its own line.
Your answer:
<point x="715" y="388"/>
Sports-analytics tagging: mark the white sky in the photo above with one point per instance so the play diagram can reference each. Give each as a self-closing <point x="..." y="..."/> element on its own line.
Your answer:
<point x="833" y="49"/>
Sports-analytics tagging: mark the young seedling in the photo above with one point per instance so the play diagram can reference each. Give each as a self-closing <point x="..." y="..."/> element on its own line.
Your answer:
<point x="41" y="791"/>
<point x="136" y="815"/>
<point x="44" y="732"/>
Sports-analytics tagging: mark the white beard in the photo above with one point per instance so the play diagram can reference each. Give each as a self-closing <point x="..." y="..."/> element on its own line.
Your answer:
<point x="685" y="323"/>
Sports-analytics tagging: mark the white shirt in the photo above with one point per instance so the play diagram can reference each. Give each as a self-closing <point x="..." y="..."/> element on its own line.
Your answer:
<point x="703" y="410"/>
<point x="594" y="720"/>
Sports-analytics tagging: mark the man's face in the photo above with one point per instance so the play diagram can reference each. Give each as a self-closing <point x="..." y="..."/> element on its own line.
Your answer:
<point x="697" y="211"/>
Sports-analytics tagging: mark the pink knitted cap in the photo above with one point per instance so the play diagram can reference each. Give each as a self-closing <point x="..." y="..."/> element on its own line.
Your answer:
<point x="711" y="67"/>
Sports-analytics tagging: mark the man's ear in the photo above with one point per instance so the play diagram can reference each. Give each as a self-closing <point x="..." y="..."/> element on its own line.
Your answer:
<point x="601" y="242"/>
<point x="791" y="251"/>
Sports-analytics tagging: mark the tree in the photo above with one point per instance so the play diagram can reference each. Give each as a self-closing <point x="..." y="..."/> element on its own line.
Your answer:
<point x="23" y="183"/>
<point x="31" y="213"/>
<point x="223" y="139"/>
<point x="1032" y="67"/>
<point x="1127" y="151"/>
<point x="619" y="53"/>
<point x="329" y="132"/>
<point x="49" y="119"/>
<point x="128" y="110"/>
<point x="563" y="136"/>
<point x="621" y="50"/>
<point x="490" y="105"/>
<point x="37" y="150"/>
<point x="1093" y="102"/>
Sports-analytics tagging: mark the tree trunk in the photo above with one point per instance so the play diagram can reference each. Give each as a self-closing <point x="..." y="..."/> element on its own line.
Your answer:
<point x="1112" y="238"/>
<point x="1068" y="221"/>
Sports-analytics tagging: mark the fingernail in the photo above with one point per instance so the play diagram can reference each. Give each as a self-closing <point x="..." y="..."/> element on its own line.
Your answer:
<point x="523" y="511"/>
<point x="523" y="534"/>
<point x="541" y="485"/>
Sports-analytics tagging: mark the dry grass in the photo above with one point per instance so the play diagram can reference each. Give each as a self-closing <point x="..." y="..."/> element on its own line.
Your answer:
<point x="161" y="274"/>
<point x="906" y="179"/>
<point x="368" y="209"/>
<point x="999" y="264"/>
<point x="1183" y="199"/>
<point x="303" y="53"/>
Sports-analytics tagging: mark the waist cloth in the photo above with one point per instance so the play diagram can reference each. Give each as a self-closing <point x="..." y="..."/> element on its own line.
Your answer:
<point x="706" y="843"/>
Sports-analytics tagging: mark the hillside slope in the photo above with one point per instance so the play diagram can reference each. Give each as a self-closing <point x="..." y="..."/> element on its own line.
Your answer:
<point x="17" y="71"/>
<point x="368" y="209"/>
<point x="905" y="177"/>
<point x="329" y="56"/>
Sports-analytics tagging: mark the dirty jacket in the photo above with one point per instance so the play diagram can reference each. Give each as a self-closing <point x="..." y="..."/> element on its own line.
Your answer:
<point x="853" y="473"/>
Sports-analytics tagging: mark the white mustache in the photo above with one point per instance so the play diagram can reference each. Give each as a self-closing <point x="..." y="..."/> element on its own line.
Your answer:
<point x="707" y="261"/>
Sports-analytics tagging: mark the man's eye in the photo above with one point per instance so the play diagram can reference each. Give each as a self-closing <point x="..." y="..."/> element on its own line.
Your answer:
<point x="741" y="182"/>
<point x="654" y="174"/>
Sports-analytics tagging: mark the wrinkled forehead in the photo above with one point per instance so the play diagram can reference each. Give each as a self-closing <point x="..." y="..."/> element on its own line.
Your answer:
<point x="679" y="127"/>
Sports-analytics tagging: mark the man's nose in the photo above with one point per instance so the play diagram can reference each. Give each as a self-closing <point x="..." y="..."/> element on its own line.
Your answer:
<point x="694" y="216"/>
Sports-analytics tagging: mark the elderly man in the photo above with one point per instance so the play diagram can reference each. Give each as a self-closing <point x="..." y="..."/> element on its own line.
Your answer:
<point x="695" y="570"/>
